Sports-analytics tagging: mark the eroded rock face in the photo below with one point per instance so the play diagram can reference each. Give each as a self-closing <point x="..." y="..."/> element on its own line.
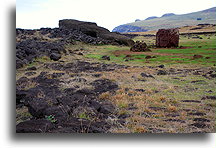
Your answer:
<point x="139" y="47"/>
<point x="167" y="38"/>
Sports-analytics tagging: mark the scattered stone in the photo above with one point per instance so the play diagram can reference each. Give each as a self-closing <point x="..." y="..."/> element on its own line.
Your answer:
<point x="124" y="116"/>
<point x="161" y="66"/>
<point x="147" y="114"/>
<point x="209" y="98"/>
<point x="81" y="66"/>
<point x="126" y="89"/>
<point x="146" y="75"/>
<point x="140" y="47"/>
<point x="157" y="108"/>
<point x="34" y="126"/>
<point x="193" y="101"/>
<point x="140" y="90"/>
<point x="209" y="91"/>
<point x="29" y="49"/>
<point x="37" y="106"/>
<point x="105" y="58"/>
<point x="23" y="83"/>
<point x="198" y="81"/>
<point x="32" y="68"/>
<point x="30" y="73"/>
<point x="174" y="120"/>
<point x="80" y="53"/>
<point x="161" y="72"/>
<point x="213" y="75"/>
<point x="197" y="114"/>
<point x="20" y="95"/>
<point x="130" y="95"/>
<point x="106" y="108"/>
<point x="167" y="38"/>
<point x="104" y="85"/>
<point x="176" y="78"/>
<point x="95" y="104"/>
<point x="55" y="56"/>
<point x="78" y="79"/>
<point x="155" y="130"/>
<point x="199" y="125"/>
<point x="97" y="75"/>
<point x="173" y="115"/>
<point x="148" y="57"/>
<point x="201" y="120"/>
<point x="196" y="73"/>
<point x="196" y="56"/>
<point x="131" y="106"/>
<point x="57" y="75"/>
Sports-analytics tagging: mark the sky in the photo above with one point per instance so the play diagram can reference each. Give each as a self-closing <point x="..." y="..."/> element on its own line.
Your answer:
<point x="35" y="14"/>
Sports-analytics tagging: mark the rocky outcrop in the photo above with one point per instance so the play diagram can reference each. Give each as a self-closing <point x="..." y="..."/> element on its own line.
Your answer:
<point x="91" y="29"/>
<point x="139" y="47"/>
<point x="29" y="49"/>
<point x="50" y="42"/>
<point x="167" y="38"/>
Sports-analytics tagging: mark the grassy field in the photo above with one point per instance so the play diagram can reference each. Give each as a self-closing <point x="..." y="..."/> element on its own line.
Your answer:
<point x="204" y="45"/>
<point x="166" y="103"/>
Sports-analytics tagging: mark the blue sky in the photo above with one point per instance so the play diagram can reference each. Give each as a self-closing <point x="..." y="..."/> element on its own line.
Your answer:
<point x="34" y="14"/>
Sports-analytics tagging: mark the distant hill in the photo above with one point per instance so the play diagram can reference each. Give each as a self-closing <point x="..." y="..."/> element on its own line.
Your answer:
<point x="151" y="17"/>
<point x="170" y="20"/>
<point x="168" y="14"/>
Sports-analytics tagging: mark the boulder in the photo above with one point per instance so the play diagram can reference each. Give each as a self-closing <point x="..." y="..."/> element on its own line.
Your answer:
<point x="91" y="29"/>
<point x="34" y="126"/>
<point x="106" y="108"/>
<point x="197" y="56"/>
<point x="139" y="47"/>
<point x="55" y="56"/>
<point x="105" y="58"/>
<point x="167" y="38"/>
<point x="161" y="72"/>
<point x="104" y="85"/>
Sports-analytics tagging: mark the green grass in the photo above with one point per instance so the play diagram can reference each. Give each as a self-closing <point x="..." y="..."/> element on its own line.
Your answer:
<point x="205" y="47"/>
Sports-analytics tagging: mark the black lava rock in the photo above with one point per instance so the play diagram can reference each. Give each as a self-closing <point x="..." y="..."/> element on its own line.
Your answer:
<point x="55" y="56"/>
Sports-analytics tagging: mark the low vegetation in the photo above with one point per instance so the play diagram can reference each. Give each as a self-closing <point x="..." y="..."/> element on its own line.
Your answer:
<point x="168" y="90"/>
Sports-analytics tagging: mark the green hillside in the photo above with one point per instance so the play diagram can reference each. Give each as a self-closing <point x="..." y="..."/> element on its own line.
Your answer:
<point x="201" y="17"/>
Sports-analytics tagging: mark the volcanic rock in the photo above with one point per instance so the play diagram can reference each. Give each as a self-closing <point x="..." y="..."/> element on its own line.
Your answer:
<point x="167" y="38"/>
<point x="91" y="29"/>
<point x="161" y="72"/>
<point x="197" y="56"/>
<point x="139" y="47"/>
<point x="34" y="126"/>
<point x="55" y="56"/>
<point x="105" y="58"/>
